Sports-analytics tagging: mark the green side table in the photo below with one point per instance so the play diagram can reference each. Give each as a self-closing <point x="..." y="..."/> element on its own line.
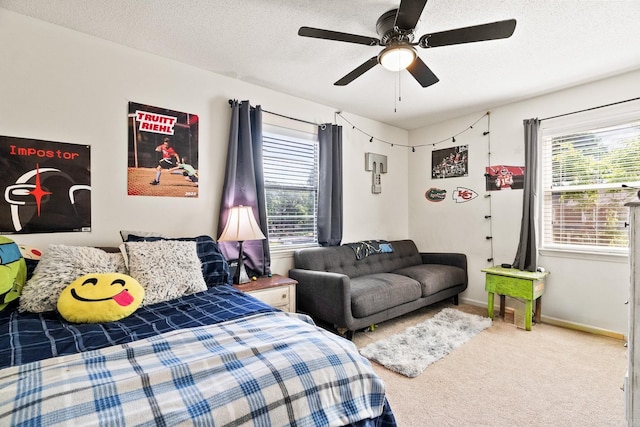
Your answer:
<point x="515" y="283"/>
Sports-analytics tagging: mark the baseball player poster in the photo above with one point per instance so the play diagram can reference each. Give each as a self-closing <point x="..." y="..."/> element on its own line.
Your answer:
<point x="46" y="186"/>
<point x="163" y="152"/>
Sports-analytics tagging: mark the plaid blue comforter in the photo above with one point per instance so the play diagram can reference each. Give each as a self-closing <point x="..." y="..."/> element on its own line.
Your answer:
<point x="265" y="369"/>
<point x="218" y="357"/>
<point x="28" y="337"/>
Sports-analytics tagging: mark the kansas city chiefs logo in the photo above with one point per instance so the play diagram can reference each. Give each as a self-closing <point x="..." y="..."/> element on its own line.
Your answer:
<point x="462" y="194"/>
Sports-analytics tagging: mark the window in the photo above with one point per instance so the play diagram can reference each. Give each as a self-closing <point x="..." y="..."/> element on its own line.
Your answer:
<point x="584" y="165"/>
<point x="291" y="186"/>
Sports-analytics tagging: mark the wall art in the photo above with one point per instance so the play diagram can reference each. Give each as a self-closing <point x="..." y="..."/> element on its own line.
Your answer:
<point x="46" y="186"/>
<point x="163" y="152"/>
<point x="450" y="162"/>
<point x="501" y="177"/>
<point x="377" y="164"/>
<point x="435" y="194"/>
<point x="463" y="195"/>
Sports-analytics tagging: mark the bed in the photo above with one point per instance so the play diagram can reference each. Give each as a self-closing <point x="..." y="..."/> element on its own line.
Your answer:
<point x="212" y="357"/>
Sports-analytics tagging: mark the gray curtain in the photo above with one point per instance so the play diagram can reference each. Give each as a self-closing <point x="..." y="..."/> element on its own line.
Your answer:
<point x="330" y="185"/>
<point x="244" y="184"/>
<point x="527" y="256"/>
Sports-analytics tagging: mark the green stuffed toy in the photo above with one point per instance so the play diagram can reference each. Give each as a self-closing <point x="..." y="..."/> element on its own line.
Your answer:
<point x="13" y="271"/>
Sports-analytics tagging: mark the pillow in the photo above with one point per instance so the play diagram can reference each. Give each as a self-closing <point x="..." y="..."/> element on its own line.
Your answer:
<point x="215" y="268"/>
<point x="126" y="233"/>
<point x="31" y="257"/>
<point x="58" y="267"/>
<point x="100" y="297"/>
<point x="166" y="269"/>
<point x="13" y="271"/>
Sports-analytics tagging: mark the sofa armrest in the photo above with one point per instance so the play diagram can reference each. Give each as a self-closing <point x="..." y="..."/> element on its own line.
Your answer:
<point x="323" y="295"/>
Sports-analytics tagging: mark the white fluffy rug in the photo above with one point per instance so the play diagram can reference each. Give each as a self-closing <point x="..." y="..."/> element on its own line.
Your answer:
<point x="411" y="351"/>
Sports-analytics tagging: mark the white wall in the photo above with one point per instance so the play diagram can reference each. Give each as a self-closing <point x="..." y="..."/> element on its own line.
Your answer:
<point x="587" y="292"/>
<point x="60" y="85"/>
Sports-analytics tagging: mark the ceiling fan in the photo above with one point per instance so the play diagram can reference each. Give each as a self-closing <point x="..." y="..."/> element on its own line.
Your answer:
<point x="396" y="30"/>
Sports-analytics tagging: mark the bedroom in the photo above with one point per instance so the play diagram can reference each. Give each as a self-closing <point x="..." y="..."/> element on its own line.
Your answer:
<point x="62" y="85"/>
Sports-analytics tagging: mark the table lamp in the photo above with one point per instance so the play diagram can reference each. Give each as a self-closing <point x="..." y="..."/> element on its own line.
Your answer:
<point x="241" y="226"/>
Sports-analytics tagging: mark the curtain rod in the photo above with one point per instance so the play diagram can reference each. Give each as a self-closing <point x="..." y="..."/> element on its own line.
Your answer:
<point x="589" y="109"/>
<point x="286" y="117"/>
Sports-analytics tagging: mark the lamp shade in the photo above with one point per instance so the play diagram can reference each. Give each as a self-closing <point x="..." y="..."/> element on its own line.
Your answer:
<point x="241" y="226"/>
<point x="397" y="57"/>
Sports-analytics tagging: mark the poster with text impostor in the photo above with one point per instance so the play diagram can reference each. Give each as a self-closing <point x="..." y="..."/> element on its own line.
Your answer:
<point x="46" y="186"/>
<point x="163" y="152"/>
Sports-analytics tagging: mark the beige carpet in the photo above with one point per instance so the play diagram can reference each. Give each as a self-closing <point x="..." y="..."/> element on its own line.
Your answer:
<point x="507" y="376"/>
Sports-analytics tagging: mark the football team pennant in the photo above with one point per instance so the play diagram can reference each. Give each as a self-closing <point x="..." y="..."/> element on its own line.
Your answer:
<point x="46" y="186"/>
<point x="502" y="177"/>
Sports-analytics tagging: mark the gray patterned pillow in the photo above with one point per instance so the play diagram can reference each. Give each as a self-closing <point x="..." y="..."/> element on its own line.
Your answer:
<point x="166" y="269"/>
<point x="59" y="266"/>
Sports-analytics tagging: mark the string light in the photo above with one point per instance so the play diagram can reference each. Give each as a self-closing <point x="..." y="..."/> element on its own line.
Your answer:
<point x="413" y="148"/>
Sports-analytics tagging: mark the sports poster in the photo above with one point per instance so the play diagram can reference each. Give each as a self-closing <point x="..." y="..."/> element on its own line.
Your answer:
<point x="501" y="177"/>
<point x="163" y="152"/>
<point x="450" y="162"/>
<point x="46" y="186"/>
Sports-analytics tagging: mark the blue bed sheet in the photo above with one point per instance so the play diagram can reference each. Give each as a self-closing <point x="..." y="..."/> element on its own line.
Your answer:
<point x="28" y="337"/>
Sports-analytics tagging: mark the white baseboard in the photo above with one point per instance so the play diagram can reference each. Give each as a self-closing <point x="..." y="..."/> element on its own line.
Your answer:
<point x="555" y="321"/>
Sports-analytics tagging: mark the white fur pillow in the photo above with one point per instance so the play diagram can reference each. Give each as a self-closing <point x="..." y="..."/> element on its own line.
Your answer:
<point x="166" y="269"/>
<point x="59" y="266"/>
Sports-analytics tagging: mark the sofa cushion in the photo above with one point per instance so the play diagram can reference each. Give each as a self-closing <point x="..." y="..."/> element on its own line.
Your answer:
<point x="342" y="259"/>
<point x="434" y="278"/>
<point x="374" y="293"/>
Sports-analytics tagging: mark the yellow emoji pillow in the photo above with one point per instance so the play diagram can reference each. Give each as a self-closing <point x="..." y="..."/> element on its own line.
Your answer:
<point x="100" y="297"/>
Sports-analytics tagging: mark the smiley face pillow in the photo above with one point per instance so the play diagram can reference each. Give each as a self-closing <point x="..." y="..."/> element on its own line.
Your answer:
<point x="100" y="297"/>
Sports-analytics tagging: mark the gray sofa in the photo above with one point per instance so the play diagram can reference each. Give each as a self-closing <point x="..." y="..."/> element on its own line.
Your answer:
<point x="337" y="288"/>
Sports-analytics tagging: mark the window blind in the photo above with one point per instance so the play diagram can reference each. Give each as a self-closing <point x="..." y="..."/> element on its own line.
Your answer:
<point x="582" y="176"/>
<point x="291" y="186"/>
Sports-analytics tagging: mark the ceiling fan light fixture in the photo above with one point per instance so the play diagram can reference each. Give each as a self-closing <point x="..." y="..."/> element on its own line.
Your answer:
<point x="397" y="57"/>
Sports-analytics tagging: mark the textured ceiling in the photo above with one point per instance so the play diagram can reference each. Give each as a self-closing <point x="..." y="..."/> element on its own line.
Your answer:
<point x="556" y="44"/>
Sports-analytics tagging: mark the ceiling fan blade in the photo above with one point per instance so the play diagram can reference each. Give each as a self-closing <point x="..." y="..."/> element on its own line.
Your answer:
<point x="357" y="72"/>
<point x="422" y="73"/>
<point x="476" y="33"/>
<point x="409" y="13"/>
<point x="318" y="33"/>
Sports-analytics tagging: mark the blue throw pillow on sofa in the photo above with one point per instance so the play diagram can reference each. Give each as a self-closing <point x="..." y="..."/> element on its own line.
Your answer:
<point x="215" y="269"/>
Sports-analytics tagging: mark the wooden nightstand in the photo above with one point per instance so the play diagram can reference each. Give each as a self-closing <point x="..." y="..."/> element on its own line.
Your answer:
<point x="277" y="291"/>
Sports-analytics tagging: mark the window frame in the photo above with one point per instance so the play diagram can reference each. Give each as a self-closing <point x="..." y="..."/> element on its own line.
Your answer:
<point x="306" y="135"/>
<point x="572" y="124"/>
